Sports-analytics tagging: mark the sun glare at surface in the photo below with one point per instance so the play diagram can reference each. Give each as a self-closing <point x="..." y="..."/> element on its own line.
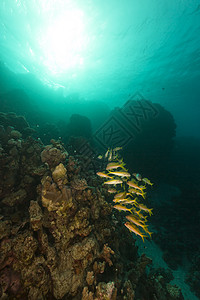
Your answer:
<point x="64" y="41"/>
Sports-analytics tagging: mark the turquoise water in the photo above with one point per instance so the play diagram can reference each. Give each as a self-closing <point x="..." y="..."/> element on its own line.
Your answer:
<point x="101" y="74"/>
<point x="106" y="51"/>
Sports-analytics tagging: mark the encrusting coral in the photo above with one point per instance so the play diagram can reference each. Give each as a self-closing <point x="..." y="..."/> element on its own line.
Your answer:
<point x="59" y="238"/>
<point x="54" y="154"/>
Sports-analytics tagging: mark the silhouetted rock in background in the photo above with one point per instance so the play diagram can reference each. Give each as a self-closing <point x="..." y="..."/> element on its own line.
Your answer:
<point x="150" y="146"/>
<point x="16" y="101"/>
<point x="79" y="126"/>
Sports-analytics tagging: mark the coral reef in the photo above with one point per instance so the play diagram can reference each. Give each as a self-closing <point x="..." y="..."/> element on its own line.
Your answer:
<point x="53" y="154"/>
<point x="13" y="126"/>
<point x="59" y="237"/>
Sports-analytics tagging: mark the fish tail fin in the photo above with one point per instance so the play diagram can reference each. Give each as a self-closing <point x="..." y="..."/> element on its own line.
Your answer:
<point x="144" y="195"/>
<point x="143" y="236"/>
<point x="150" y="211"/>
<point x="145" y="227"/>
<point x="150" y="233"/>
<point x="135" y="201"/>
<point x="122" y="165"/>
<point x="147" y="231"/>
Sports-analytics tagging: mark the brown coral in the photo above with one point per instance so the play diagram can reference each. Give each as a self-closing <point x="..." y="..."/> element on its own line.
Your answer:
<point x="35" y="212"/>
<point x="53" y="155"/>
<point x="106" y="254"/>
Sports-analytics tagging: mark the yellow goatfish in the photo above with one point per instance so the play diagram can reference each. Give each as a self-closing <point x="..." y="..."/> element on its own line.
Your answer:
<point x="115" y="165"/>
<point x="107" y="153"/>
<point x="134" y="229"/>
<point x="144" y="208"/>
<point x="141" y="194"/>
<point x="117" y="148"/>
<point x="130" y="201"/>
<point x="114" y="181"/>
<point x="134" y="185"/>
<point x="120" y="173"/>
<point x="132" y="190"/>
<point x="101" y="174"/>
<point x="125" y="201"/>
<point x="121" y="207"/>
<point x="136" y="221"/>
<point x="120" y="195"/>
<point x="112" y="191"/>
<point x="139" y="213"/>
<point x="110" y="155"/>
<point x="121" y="199"/>
<point x="147" y="181"/>
<point x="139" y="222"/>
<point x="137" y="192"/>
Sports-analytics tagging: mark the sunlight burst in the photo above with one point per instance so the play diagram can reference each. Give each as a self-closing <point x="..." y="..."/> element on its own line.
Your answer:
<point x="64" y="41"/>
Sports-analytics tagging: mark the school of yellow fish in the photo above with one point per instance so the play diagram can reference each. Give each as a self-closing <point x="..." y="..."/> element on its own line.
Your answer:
<point x="128" y="191"/>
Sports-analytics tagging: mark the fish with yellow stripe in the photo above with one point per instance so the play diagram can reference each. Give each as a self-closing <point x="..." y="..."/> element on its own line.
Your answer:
<point x="144" y="208"/>
<point x="147" y="181"/>
<point x="134" y="185"/>
<point x="115" y="165"/>
<point x="122" y="208"/>
<point x="120" y="173"/>
<point x="120" y="195"/>
<point x="128" y="197"/>
<point x="139" y="213"/>
<point x="137" y="192"/>
<point x="138" y="222"/>
<point x="114" y="181"/>
<point x="135" y="230"/>
<point x="125" y="201"/>
<point x="101" y="174"/>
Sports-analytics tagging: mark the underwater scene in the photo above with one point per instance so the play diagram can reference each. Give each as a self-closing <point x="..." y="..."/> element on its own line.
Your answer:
<point x="99" y="150"/>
